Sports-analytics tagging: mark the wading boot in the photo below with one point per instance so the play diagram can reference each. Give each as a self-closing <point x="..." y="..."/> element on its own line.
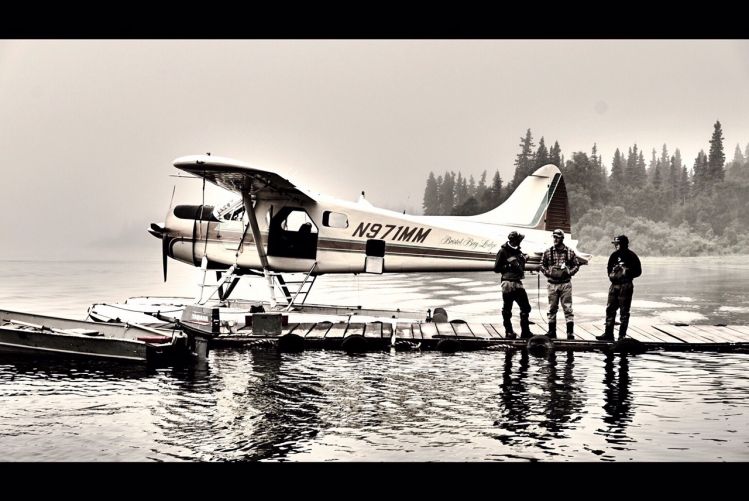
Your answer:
<point x="623" y="328"/>
<point x="509" y="333"/>
<point x="525" y="328"/>
<point x="608" y="334"/>
<point x="570" y="331"/>
<point x="552" y="334"/>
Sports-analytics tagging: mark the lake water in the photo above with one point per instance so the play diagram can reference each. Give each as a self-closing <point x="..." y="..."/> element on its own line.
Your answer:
<point x="405" y="406"/>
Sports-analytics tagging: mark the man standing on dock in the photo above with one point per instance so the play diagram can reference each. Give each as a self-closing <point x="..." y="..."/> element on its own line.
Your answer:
<point x="623" y="267"/>
<point x="510" y="263"/>
<point x="559" y="265"/>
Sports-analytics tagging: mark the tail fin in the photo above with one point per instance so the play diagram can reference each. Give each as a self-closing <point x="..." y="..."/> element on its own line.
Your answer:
<point x="540" y="202"/>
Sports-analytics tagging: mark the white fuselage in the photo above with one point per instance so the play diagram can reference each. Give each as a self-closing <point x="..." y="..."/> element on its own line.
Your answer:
<point x="411" y="243"/>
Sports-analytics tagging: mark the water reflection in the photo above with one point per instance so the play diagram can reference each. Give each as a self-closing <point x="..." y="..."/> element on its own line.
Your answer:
<point x="540" y="404"/>
<point x="617" y="398"/>
<point x="242" y="405"/>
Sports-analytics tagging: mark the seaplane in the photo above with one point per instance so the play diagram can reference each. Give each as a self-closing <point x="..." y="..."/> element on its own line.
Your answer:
<point x="275" y="227"/>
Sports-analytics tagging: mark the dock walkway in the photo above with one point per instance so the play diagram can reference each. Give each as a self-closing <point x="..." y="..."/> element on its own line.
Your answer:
<point x="462" y="336"/>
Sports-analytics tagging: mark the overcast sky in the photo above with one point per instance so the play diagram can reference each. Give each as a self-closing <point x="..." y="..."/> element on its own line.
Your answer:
<point x="90" y="128"/>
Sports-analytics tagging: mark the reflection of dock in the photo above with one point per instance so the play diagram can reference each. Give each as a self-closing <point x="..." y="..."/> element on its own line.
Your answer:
<point x="459" y="335"/>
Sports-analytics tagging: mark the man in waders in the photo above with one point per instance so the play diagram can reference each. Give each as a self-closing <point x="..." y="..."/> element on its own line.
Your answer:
<point x="623" y="267"/>
<point x="559" y="265"/>
<point x="510" y="263"/>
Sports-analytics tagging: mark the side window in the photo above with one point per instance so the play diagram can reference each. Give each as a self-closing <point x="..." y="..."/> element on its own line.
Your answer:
<point x="334" y="219"/>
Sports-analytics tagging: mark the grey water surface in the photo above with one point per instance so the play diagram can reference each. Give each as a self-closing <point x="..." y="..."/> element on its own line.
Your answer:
<point x="386" y="406"/>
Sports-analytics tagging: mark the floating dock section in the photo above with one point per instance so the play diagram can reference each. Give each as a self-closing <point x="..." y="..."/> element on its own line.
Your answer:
<point x="462" y="336"/>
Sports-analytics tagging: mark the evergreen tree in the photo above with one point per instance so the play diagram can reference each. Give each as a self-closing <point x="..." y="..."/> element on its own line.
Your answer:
<point x="737" y="156"/>
<point x="629" y="167"/>
<point x="555" y="155"/>
<point x="665" y="160"/>
<point x="596" y="177"/>
<point x="616" y="181"/>
<point x="651" y="167"/>
<point x="716" y="158"/>
<point x="639" y="176"/>
<point x="677" y="159"/>
<point x="594" y="158"/>
<point x="674" y="179"/>
<point x="447" y="194"/>
<point x="700" y="176"/>
<point x="683" y="185"/>
<point x="524" y="161"/>
<point x="471" y="187"/>
<point x="542" y="154"/>
<point x="431" y="197"/>
<point x="658" y="176"/>
<point x="461" y="190"/>
<point x="493" y="196"/>
<point x="481" y="188"/>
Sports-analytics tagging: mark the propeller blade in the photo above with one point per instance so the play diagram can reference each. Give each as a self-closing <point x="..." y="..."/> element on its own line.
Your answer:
<point x="164" y="253"/>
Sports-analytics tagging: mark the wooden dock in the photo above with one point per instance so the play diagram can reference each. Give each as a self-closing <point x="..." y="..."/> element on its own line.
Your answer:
<point x="462" y="336"/>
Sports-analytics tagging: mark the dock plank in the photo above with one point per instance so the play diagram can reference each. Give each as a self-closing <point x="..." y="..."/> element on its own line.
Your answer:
<point x="720" y="332"/>
<point x="492" y="331"/>
<point x="584" y="331"/>
<point x="684" y="334"/>
<point x="445" y="329"/>
<point x="336" y="331"/>
<point x="638" y="333"/>
<point x="479" y="331"/>
<point x="500" y="330"/>
<point x="319" y="330"/>
<point x="354" y="329"/>
<point x="428" y="331"/>
<point x="660" y="337"/>
<point x="462" y="330"/>
<point x="289" y="329"/>
<point x="403" y="331"/>
<point x="742" y="330"/>
<point x="710" y="338"/>
<point x="373" y="330"/>
<point x="387" y="331"/>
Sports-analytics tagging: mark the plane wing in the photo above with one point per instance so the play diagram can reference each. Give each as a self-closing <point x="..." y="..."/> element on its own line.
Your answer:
<point x="239" y="177"/>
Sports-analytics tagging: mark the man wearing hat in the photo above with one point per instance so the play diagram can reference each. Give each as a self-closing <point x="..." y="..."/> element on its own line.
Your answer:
<point x="510" y="263"/>
<point x="559" y="265"/>
<point x="623" y="267"/>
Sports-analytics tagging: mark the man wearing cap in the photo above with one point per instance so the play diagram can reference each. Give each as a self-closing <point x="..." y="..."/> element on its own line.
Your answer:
<point x="559" y="265"/>
<point x="510" y="263"/>
<point x="623" y="267"/>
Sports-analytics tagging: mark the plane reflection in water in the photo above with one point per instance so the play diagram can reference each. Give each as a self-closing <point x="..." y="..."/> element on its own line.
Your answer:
<point x="219" y="412"/>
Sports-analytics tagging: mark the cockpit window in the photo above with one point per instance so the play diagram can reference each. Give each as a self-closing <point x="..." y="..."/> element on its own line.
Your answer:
<point x="234" y="215"/>
<point x="232" y="211"/>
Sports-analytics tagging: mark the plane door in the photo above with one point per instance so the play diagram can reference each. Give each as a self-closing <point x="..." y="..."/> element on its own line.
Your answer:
<point x="292" y="233"/>
<point x="375" y="260"/>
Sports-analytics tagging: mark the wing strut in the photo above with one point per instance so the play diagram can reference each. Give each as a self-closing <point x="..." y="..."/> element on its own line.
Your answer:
<point x="250" y="211"/>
